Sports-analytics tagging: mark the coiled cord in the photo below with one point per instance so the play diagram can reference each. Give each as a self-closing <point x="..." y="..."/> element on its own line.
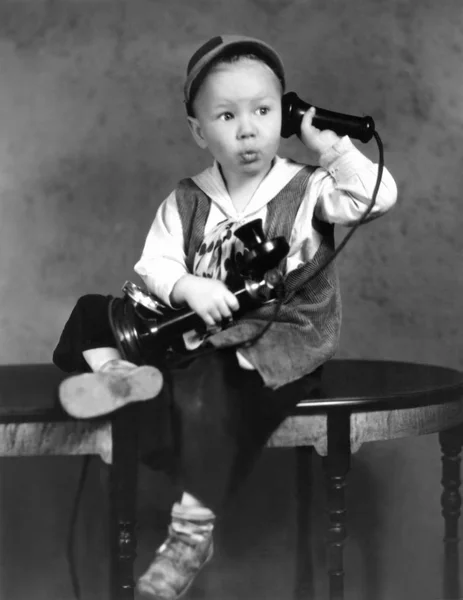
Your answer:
<point x="287" y="297"/>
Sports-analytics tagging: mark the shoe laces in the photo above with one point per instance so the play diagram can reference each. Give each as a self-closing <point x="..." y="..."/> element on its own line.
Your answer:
<point x="174" y="542"/>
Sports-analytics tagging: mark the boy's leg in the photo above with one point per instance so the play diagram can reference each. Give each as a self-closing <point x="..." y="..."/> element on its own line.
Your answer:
<point x="223" y="416"/>
<point x="87" y="343"/>
<point x="87" y="328"/>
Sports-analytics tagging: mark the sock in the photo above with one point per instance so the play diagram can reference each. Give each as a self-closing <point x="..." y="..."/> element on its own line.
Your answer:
<point x="97" y="357"/>
<point x="189" y="500"/>
<point x="195" y="521"/>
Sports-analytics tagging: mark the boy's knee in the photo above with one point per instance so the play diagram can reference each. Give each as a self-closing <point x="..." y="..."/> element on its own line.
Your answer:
<point x="91" y="300"/>
<point x="94" y="304"/>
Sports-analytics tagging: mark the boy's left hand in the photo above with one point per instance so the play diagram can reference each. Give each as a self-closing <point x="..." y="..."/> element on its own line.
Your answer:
<point x="317" y="140"/>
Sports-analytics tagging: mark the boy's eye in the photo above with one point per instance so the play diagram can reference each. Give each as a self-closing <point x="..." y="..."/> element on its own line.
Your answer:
<point x="263" y="110"/>
<point x="226" y="116"/>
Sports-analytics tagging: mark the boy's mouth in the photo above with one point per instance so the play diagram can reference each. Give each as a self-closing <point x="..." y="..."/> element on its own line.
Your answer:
<point x="249" y="156"/>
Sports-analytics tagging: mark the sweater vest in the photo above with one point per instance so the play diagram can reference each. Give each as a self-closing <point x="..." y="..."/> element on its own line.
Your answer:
<point x="306" y="331"/>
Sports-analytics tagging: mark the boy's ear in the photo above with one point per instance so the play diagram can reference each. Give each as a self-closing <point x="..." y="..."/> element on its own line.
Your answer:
<point x="196" y="132"/>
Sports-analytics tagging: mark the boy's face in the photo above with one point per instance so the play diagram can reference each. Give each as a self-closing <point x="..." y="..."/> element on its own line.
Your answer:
<point x="238" y="117"/>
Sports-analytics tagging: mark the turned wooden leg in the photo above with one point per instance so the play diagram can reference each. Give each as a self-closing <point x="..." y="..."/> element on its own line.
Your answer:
<point x="304" y="589"/>
<point x="124" y="472"/>
<point x="451" y="442"/>
<point x="336" y="466"/>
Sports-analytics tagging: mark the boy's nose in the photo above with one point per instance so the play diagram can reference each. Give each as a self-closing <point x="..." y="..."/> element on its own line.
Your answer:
<point x="246" y="128"/>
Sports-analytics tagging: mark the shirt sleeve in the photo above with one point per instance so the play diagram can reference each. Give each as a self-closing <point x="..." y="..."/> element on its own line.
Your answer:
<point x="163" y="260"/>
<point x="345" y="183"/>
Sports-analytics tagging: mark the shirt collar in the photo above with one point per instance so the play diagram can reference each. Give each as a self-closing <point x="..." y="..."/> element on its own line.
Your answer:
<point x="211" y="182"/>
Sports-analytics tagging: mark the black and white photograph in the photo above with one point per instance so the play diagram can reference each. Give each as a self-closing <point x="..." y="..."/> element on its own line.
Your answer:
<point x="231" y="283"/>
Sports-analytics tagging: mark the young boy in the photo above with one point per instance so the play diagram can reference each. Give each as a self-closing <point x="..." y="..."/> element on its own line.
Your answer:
<point x="227" y="403"/>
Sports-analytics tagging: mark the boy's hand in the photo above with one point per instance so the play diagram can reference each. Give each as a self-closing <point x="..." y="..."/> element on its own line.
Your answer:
<point x="315" y="139"/>
<point x="209" y="298"/>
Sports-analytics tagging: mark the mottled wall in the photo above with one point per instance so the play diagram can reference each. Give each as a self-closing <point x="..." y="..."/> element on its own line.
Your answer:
<point x="93" y="136"/>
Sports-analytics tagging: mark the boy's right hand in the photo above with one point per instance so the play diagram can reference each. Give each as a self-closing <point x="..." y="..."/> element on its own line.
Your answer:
<point x="209" y="298"/>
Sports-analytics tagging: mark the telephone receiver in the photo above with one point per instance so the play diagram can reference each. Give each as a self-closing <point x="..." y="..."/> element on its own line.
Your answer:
<point x="293" y="110"/>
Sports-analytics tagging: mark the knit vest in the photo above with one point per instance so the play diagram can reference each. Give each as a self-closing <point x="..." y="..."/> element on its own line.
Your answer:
<point x="306" y="331"/>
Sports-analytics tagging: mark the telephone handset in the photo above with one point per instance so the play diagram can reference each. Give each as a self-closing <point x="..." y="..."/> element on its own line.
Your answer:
<point x="293" y="109"/>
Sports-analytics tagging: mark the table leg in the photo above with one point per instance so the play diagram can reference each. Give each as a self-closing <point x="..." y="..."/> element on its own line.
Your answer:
<point x="451" y="442"/>
<point x="124" y="477"/>
<point x="304" y="589"/>
<point x="336" y="466"/>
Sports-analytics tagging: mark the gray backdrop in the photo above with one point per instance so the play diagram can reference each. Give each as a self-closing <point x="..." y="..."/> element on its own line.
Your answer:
<point x="93" y="136"/>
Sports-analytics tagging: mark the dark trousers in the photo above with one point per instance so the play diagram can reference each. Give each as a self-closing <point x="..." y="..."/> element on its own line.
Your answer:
<point x="87" y="328"/>
<point x="221" y="415"/>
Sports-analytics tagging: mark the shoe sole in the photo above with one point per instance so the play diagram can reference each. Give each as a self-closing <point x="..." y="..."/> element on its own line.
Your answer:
<point x="95" y="394"/>
<point x="147" y="594"/>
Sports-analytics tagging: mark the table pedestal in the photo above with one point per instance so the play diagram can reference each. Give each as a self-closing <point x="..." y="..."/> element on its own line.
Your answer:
<point x="336" y="466"/>
<point x="336" y="435"/>
<point x="451" y="442"/>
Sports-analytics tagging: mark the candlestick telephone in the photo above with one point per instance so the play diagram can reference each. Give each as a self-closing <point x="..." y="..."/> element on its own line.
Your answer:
<point x="145" y="328"/>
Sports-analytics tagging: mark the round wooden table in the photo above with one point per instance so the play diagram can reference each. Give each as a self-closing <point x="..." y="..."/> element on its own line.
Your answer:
<point x="358" y="401"/>
<point x="362" y="401"/>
